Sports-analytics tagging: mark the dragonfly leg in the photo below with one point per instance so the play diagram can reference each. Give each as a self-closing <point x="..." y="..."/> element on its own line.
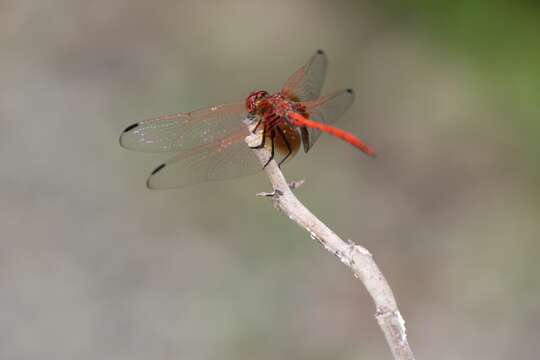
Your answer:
<point x="257" y="126"/>
<point x="272" y="137"/>
<point x="289" y="150"/>
<point x="261" y="145"/>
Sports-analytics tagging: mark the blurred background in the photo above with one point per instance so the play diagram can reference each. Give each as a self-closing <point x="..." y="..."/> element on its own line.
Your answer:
<point x="95" y="266"/>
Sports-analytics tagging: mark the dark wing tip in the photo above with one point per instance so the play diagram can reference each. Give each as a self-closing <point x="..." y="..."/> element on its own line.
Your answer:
<point x="350" y="91"/>
<point x="123" y="139"/>
<point x="156" y="170"/>
<point x="320" y="51"/>
<point x="159" y="168"/>
<point x="131" y="127"/>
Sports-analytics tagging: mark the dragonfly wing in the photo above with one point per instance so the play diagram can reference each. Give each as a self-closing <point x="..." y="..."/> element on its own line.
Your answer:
<point x="185" y="130"/>
<point x="224" y="159"/>
<point x="307" y="82"/>
<point x="327" y="109"/>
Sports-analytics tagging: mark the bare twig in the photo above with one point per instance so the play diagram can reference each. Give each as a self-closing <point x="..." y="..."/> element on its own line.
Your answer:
<point x="356" y="257"/>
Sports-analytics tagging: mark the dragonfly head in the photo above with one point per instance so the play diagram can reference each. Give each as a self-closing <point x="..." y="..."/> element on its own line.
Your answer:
<point x="253" y="100"/>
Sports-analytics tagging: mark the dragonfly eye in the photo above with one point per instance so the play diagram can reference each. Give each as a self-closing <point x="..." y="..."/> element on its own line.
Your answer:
<point x="253" y="99"/>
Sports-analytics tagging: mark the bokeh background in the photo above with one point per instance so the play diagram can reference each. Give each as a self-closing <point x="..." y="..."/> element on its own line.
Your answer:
<point x="95" y="266"/>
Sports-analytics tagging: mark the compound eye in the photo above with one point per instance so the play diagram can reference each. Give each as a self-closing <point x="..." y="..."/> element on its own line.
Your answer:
<point x="253" y="99"/>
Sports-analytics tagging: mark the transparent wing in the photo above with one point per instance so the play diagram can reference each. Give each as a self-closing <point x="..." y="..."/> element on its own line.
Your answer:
<point x="224" y="159"/>
<point x="185" y="130"/>
<point x="327" y="109"/>
<point x="306" y="83"/>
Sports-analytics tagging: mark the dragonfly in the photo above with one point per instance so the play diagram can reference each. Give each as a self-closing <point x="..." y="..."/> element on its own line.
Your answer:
<point x="210" y="141"/>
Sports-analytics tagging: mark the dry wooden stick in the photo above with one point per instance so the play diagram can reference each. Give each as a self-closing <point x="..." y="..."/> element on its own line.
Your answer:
<point x="356" y="257"/>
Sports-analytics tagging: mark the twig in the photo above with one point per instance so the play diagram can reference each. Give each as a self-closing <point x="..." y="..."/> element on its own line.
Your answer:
<point x="356" y="257"/>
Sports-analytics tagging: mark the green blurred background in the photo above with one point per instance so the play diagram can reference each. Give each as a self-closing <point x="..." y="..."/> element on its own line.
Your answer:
<point x="95" y="266"/>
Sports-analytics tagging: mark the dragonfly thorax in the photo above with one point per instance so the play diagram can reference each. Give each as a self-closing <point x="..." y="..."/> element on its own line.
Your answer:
<point x="272" y="106"/>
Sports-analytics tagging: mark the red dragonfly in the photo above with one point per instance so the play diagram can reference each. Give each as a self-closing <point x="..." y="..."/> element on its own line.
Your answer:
<point x="211" y="140"/>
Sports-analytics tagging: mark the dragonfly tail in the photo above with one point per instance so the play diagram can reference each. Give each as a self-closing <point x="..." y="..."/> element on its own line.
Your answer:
<point x="352" y="139"/>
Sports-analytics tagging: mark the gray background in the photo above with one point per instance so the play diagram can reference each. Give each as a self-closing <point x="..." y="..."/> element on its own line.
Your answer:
<point x="95" y="266"/>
